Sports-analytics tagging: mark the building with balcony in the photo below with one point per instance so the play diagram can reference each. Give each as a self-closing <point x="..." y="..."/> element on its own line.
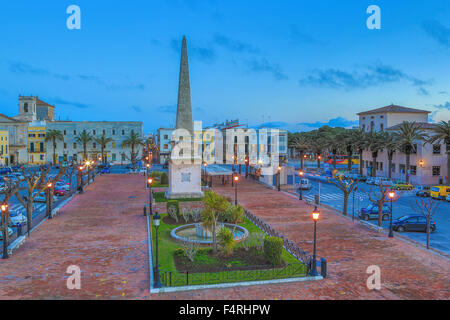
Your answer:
<point x="36" y="143"/>
<point x="4" y="148"/>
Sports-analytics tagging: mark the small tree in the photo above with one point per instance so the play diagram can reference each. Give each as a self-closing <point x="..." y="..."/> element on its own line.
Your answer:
<point x="35" y="184"/>
<point x="84" y="138"/>
<point x="102" y="142"/>
<point x="132" y="142"/>
<point x="346" y="186"/>
<point x="9" y="190"/>
<point x="54" y="136"/>
<point x="379" y="199"/>
<point x="427" y="208"/>
<point x="226" y="241"/>
<point x="214" y="206"/>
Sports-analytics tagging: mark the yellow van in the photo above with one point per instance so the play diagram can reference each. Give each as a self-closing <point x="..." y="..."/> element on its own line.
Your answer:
<point x="440" y="192"/>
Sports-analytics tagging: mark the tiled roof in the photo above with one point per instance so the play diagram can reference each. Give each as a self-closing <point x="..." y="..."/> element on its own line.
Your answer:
<point x="421" y="125"/>
<point x="393" y="109"/>
<point x="39" y="102"/>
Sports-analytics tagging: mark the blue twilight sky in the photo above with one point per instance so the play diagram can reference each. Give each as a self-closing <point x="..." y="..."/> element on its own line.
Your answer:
<point x="292" y="63"/>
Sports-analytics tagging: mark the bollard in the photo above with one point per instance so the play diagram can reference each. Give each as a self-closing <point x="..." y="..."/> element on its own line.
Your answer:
<point x="145" y="211"/>
<point x="323" y="267"/>
<point x="19" y="230"/>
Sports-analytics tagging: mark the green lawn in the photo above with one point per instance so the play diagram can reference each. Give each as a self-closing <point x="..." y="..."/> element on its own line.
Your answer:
<point x="157" y="184"/>
<point x="160" y="197"/>
<point x="168" y="246"/>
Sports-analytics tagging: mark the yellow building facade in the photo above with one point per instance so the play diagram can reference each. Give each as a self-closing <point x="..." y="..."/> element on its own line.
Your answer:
<point x="36" y="145"/>
<point x="4" y="148"/>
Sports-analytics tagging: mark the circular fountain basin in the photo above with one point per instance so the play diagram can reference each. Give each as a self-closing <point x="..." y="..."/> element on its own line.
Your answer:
<point x="194" y="233"/>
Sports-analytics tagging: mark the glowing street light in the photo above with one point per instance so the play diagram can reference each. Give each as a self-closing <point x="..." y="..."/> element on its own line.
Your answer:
<point x="391" y="195"/>
<point x="236" y="180"/>
<point x="301" y="174"/>
<point x="315" y="215"/>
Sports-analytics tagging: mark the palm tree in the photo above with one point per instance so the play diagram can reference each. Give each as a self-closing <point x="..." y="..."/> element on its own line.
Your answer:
<point x="391" y="146"/>
<point x="300" y="143"/>
<point x="442" y="134"/>
<point x="359" y="142"/>
<point x="133" y="141"/>
<point x="54" y="136"/>
<point x="103" y="141"/>
<point x="375" y="143"/>
<point x="409" y="133"/>
<point x="84" y="138"/>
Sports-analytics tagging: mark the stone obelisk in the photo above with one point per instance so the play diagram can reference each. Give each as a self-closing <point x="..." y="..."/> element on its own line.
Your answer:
<point x="185" y="177"/>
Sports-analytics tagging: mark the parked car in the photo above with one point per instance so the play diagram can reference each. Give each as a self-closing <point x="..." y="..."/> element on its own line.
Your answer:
<point x="371" y="212"/>
<point x="402" y="186"/>
<point x="370" y="180"/>
<point x="448" y="198"/>
<point x="17" y="218"/>
<point x="12" y="177"/>
<point x="42" y="198"/>
<point x="10" y="232"/>
<point x="59" y="192"/>
<point x="422" y="188"/>
<point x="62" y="186"/>
<point x="440" y="192"/>
<point x="361" y="178"/>
<point x="423" y="193"/>
<point x="5" y="170"/>
<point x="18" y="175"/>
<point x="105" y="170"/>
<point x="412" y="223"/>
<point x="305" y="184"/>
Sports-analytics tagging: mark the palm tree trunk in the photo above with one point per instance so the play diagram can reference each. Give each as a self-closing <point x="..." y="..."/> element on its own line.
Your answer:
<point x="408" y="161"/>
<point x="349" y="159"/>
<point x="390" y="166"/>
<point x="360" y="162"/>
<point x="54" y="152"/>
<point x="301" y="160"/>
<point x="334" y="159"/>
<point x="374" y="165"/>
<point x="447" y="180"/>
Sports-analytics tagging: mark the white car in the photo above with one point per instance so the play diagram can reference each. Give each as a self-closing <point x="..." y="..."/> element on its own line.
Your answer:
<point x="448" y="198"/>
<point x="63" y="186"/>
<point x="17" y="218"/>
<point x="10" y="232"/>
<point x="42" y="198"/>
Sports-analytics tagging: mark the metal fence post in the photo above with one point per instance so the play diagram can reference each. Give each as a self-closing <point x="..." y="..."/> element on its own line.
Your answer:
<point x="323" y="267"/>
<point x="187" y="278"/>
<point x="145" y="211"/>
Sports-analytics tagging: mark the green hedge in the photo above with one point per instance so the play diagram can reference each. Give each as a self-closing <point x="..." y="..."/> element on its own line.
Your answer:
<point x="164" y="178"/>
<point x="273" y="248"/>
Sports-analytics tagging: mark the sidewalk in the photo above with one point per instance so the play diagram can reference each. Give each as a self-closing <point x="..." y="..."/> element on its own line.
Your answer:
<point x="407" y="272"/>
<point x="103" y="231"/>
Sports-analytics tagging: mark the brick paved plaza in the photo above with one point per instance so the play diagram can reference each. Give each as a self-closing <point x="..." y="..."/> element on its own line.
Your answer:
<point x="104" y="232"/>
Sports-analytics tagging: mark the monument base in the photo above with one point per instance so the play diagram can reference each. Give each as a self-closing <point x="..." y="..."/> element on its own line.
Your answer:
<point x="184" y="181"/>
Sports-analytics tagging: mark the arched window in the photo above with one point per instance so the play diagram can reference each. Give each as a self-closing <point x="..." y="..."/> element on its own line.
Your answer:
<point x="25" y="107"/>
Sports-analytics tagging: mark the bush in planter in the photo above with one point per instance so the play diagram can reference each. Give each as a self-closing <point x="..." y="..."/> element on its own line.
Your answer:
<point x="273" y="247"/>
<point x="226" y="241"/>
<point x="164" y="178"/>
<point x="173" y="209"/>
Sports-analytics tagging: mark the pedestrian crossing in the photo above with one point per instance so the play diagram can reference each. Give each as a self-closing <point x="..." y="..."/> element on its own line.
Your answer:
<point x="336" y="196"/>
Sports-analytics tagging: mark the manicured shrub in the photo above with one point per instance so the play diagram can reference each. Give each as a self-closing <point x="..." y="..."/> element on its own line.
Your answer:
<point x="273" y="247"/>
<point x="173" y="209"/>
<point x="226" y="241"/>
<point x="164" y="178"/>
<point x="156" y="174"/>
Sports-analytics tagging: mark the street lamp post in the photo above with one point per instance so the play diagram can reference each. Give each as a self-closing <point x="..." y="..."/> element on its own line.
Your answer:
<point x="236" y="180"/>
<point x="246" y="167"/>
<point x="279" y="178"/>
<point x="156" y="221"/>
<point x="301" y="174"/>
<point x="391" y="195"/>
<point x="150" y="197"/>
<point x="313" y="272"/>
<point x="80" y="179"/>
<point x="5" y="230"/>
<point x="49" y="202"/>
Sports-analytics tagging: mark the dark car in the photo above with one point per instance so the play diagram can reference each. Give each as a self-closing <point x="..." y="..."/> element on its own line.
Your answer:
<point x="371" y="212"/>
<point x="361" y="178"/>
<point x="423" y="193"/>
<point x="105" y="170"/>
<point x="412" y="223"/>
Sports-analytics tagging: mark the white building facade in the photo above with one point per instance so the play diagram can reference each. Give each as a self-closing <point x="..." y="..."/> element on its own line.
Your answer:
<point x="428" y="163"/>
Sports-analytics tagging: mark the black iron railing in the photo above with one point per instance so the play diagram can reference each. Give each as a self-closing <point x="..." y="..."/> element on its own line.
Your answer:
<point x="254" y="273"/>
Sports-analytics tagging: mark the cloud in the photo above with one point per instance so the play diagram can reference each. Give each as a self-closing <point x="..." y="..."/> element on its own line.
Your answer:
<point x="444" y="106"/>
<point x="264" y="66"/>
<point x="371" y="76"/>
<point x="23" y="68"/>
<point x="298" y="36"/>
<point x="79" y="105"/>
<point x="336" y="122"/>
<point x="136" y="108"/>
<point x="437" y="31"/>
<point x="423" y="92"/>
<point x="167" y="109"/>
<point x="442" y="92"/>
<point x="234" y="45"/>
<point x="203" y="54"/>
